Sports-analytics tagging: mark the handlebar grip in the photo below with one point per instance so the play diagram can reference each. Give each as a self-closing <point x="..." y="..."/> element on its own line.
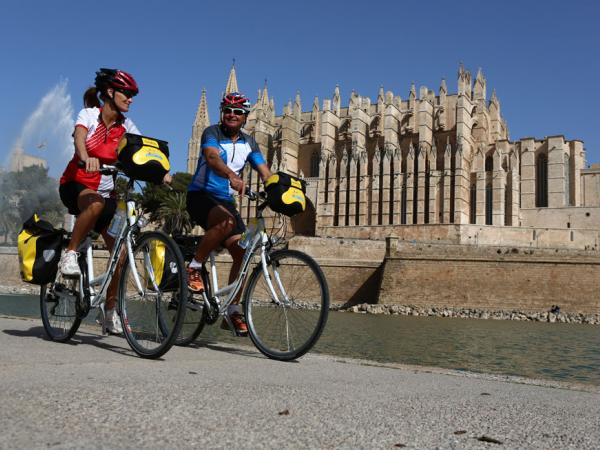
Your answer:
<point x="253" y="195"/>
<point x="250" y="193"/>
<point x="105" y="170"/>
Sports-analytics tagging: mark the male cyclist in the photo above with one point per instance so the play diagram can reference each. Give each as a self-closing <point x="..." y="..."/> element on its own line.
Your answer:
<point x="225" y="150"/>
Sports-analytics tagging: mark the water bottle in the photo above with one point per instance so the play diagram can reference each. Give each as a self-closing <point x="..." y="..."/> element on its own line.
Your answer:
<point x="117" y="221"/>
<point x="248" y="235"/>
<point x="243" y="242"/>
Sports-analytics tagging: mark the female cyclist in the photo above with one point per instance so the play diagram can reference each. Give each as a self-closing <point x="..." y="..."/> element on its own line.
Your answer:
<point x="84" y="190"/>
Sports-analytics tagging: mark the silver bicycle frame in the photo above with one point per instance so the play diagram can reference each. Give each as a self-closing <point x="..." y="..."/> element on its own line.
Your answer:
<point x="258" y="239"/>
<point x="103" y="280"/>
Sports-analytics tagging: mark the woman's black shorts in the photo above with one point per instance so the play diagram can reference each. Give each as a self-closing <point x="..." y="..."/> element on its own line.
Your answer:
<point x="200" y="203"/>
<point x="69" y="192"/>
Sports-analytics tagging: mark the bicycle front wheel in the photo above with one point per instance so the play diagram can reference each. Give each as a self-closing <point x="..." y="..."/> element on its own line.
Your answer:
<point x="58" y="306"/>
<point x="153" y="295"/>
<point x="285" y="322"/>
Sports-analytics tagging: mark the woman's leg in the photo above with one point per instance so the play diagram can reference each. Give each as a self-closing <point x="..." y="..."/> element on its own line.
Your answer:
<point x="111" y="293"/>
<point x="90" y="204"/>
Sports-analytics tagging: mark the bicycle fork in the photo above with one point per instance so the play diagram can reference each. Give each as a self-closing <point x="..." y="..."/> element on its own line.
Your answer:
<point x="274" y="268"/>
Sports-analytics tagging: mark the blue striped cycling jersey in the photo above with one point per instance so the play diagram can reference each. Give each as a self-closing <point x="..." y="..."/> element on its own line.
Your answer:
<point x="234" y="154"/>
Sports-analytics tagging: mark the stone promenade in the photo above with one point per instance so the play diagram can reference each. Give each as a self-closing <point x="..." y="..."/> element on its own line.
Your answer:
<point x="95" y="393"/>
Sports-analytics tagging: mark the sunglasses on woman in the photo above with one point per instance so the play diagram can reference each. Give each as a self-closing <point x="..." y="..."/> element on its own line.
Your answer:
<point x="127" y="93"/>
<point x="236" y="111"/>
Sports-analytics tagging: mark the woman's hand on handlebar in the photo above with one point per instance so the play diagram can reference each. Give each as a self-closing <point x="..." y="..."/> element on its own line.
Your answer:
<point x="92" y="165"/>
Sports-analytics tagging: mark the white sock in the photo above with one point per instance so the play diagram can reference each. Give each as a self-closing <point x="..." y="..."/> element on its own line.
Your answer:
<point x="195" y="264"/>
<point x="234" y="309"/>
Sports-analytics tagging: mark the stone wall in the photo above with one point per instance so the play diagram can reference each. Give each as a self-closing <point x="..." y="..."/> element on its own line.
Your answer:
<point x="493" y="278"/>
<point x="576" y="217"/>
<point x="476" y="235"/>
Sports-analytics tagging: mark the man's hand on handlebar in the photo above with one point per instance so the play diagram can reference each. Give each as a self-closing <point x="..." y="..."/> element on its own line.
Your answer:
<point x="237" y="183"/>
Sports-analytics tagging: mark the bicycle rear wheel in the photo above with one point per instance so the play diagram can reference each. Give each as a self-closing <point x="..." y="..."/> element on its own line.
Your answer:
<point x="288" y="328"/>
<point x="58" y="306"/>
<point x="152" y="311"/>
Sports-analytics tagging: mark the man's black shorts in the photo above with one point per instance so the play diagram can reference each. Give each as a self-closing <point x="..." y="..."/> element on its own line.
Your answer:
<point x="200" y="203"/>
<point x="69" y="192"/>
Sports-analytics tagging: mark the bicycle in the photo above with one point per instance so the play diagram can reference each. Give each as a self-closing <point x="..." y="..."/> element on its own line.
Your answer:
<point x="286" y="297"/>
<point x="152" y="281"/>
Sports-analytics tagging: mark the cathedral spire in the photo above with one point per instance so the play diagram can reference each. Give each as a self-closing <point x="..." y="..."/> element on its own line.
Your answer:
<point x="202" y="119"/>
<point x="232" y="85"/>
<point x="265" y="96"/>
<point x="201" y="122"/>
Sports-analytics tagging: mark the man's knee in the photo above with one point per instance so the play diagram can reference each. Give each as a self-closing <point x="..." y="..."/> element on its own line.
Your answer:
<point x="232" y="246"/>
<point x="225" y="227"/>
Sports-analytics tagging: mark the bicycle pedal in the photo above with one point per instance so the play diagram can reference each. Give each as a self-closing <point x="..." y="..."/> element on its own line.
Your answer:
<point x="70" y="277"/>
<point x="173" y="305"/>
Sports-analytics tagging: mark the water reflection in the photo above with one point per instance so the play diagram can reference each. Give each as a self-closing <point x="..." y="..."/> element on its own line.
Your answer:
<point x="566" y="352"/>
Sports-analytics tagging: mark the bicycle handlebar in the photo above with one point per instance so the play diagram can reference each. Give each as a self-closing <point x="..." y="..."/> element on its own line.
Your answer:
<point x="105" y="169"/>
<point x="253" y="195"/>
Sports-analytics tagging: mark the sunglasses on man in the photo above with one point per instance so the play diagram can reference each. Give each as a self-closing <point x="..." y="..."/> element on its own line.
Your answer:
<point x="127" y="93"/>
<point x="236" y="111"/>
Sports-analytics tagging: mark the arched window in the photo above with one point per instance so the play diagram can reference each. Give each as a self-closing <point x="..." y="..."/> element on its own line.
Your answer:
<point x="567" y="176"/>
<point x="314" y="164"/>
<point x="473" y="201"/>
<point x="488" y="204"/>
<point x="489" y="163"/>
<point x="541" y="181"/>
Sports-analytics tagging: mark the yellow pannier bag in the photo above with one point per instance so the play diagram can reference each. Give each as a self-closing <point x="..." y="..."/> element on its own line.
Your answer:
<point x="39" y="245"/>
<point x="144" y="158"/>
<point x="286" y="193"/>
<point x="164" y="268"/>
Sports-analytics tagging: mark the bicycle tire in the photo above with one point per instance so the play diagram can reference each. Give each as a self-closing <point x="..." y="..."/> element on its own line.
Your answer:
<point x="152" y="318"/>
<point x="60" y="315"/>
<point x="287" y="331"/>
<point x="193" y="322"/>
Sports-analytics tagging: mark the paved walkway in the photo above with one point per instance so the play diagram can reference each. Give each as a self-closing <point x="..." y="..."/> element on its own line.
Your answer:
<point x="95" y="393"/>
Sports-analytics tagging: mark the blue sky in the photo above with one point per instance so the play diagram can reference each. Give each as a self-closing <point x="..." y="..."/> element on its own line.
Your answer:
<point x="541" y="57"/>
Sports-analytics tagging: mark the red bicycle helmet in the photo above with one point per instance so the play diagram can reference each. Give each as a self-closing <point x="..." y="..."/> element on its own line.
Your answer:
<point x="236" y="100"/>
<point x="116" y="79"/>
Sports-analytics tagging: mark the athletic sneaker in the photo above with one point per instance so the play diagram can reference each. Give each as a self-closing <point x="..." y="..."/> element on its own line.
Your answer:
<point x="239" y="323"/>
<point x="68" y="264"/>
<point x="195" y="283"/>
<point x="112" y="322"/>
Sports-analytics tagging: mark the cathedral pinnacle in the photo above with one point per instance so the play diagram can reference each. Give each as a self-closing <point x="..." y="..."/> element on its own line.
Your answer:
<point x="232" y="85"/>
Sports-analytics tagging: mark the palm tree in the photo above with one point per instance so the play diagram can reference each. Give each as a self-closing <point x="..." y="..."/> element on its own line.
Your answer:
<point x="173" y="214"/>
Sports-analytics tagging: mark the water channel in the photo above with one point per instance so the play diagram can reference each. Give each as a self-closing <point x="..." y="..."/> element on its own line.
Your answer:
<point x="555" y="351"/>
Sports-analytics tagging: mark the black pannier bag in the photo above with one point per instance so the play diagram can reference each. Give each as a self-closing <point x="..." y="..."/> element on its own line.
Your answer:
<point x="144" y="158"/>
<point x="286" y="193"/>
<point x="187" y="244"/>
<point x="39" y="245"/>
